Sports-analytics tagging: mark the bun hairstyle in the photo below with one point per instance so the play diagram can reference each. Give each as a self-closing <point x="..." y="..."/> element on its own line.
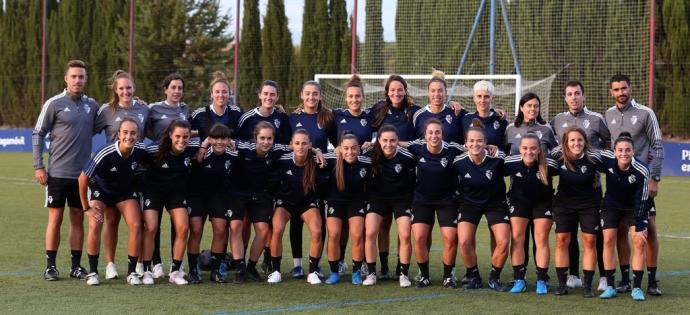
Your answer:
<point x="541" y="157"/>
<point x="478" y="126"/>
<point x="438" y="76"/>
<point x="219" y="77"/>
<point x="340" y="161"/>
<point x="355" y="81"/>
<point x="624" y="137"/>
<point x="114" y="99"/>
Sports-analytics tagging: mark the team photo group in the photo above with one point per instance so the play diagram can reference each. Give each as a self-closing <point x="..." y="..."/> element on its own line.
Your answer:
<point x="347" y="175"/>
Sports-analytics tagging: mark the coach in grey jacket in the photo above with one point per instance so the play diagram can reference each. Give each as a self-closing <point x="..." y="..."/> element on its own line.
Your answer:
<point x="578" y="115"/>
<point x="68" y="119"/>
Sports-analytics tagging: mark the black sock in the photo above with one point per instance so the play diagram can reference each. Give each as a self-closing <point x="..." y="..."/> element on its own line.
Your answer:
<point x="296" y="227"/>
<point x="216" y="260"/>
<point x="239" y="265"/>
<point x="542" y="273"/>
<point x="372" y="268"/>
<point x="397" y="268"/>
<point x="383" y="256"/>
<point x="448" y="270"/>
<point x="637" y="278"/>
<point x="147" y="265"/>
<point x="610" y="277"/>
<point x="495" y="272"/>
<point x="193" y="260"/>
<point x="651" y="274"/>
<point x="333" y="265"/>
<point x="156" y="259"/>
<point x="131" y="264"/>
<point x="76" y="258"/>
<point x="343" y="248"/>
<point x="562" y="274"/>
<point x="176" y="265"/>
<point x="267" y="255"/>
<point x="93" y="263"/>
<point x="51" y="255"/>
<point x="424" y="268"/>
<point x="357" y="266"/>
<point x="404" y="269"/>
<point x="472" y="272"/>
<point x="275" y="263"/>
<point x="251" y="264"/>
<point x="314" y="263"/>
<point x="589" y="275"/>
<point x="625" y="273"/>
<point x="519" y="272"/>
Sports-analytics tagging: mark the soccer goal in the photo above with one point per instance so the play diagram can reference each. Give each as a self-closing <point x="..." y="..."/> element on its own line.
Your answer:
<point x="509" y="89"/>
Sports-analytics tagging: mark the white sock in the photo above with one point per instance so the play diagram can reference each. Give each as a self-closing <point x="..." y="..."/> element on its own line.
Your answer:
<point x="297" y="262"/>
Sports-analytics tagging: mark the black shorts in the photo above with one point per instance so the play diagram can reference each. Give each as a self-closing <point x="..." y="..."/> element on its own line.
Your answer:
<point x="110" y="200"/>
<point x="567" y="218"/>
<point x="61" y="190"/>
<point x="345" y="209"/>
<point x="652" y="207"/>
<point x="258" y="209"/>
<point x="296" y="210"/>
<point x="446" y="213"/>
<point x="170" y="199"/>
<point x="385" y="207"/>
<point x="495" y="213"/>
<point x="611" y="218"/>
<point x="214" y="204"/>
<point x="540" y="210"/>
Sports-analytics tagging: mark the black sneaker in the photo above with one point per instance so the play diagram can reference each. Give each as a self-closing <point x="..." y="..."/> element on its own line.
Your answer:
<point x="51" y="274"/>
<point x="587" y="292"/>
<point x="653" y="289"/>
<point x="240" y="277"/>
<point x="473" y="283"/>
<point x="194" y="277"/>
<point x="423" y="282"/>
<point x="465" y="280"/>
<point x="265" y="268"/>
<point x="78" y="273"/>
<point x="253" y="274"/>
<point x="450" y="283"/>
<point x="217" y="277"/>
<point x="562" y="290"/>
<point x="623" y="287"/>
<point x="496" y="285"/>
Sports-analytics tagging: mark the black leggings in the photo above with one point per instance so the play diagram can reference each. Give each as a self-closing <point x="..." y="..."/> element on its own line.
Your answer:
<point x="156" y="258"/>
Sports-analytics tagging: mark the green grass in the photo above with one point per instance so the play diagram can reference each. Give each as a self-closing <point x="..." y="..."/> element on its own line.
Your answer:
<point x="22" y="222"/>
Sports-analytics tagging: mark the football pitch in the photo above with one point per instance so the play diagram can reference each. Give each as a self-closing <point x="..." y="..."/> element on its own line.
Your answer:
<point x="22" y="289"/>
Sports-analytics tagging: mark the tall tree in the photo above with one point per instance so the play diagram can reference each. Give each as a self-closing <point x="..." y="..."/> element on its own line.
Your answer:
<point x="315" y="31"/>
<point x="372" y="60"/>
<point x="250" y="54"/>
<point x="339" y="29"/>
<point x="675" y="50"/>
<point x="109" y="38"/>
<point x="277" y="49"/>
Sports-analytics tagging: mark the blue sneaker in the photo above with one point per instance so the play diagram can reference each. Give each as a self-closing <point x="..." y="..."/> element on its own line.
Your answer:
<point x="519" y="286"/>
<point x="610" y="292"/>
<point x="298" y="272"/>
<point x="637" y="294"/>
<point x="333" y="278"/>
<point x="356" y="277"/>
<point x="542" y="288"/>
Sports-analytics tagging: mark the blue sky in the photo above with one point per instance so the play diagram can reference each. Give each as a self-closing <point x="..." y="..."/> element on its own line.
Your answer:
<point x="294" y="9"/>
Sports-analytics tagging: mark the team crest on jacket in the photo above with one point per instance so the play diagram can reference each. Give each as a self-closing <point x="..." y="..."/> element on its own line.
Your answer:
<point x="182" y="116"/>
<point x="585" y="123"/>
<point x="583" y="168"/>
<point x="539" y="134"/>
<point x="398" y="168"/>
<point x="331" y="210"/>
<point x="276" y="122"/>
<point x="633" y="119"/>
<point x="363" y="122"/>
<point x="489" y="174"/>
<point x="87" y="109"/>
<point x="444" y="162"/>
<point x="362" y="172"/>
<point x="497" y="125"/>
<point x="610" y="170"/>
<point x="228" y="213"/>
<point x="449" y="118"/>
<point x="227" y="164"/>
<point x="96" y="193"/>
<point x="134" y="165"/>
<point x="187" y="162"/>
<point x="141" y="118"/>
<point x="118" y="119"/>
<point x="632" y="179"/>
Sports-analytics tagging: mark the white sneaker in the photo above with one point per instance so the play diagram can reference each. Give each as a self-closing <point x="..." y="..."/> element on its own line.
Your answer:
<point x="177" y="277"/>
<point x="111" y="271"/>
<point x="404" y="281"/>
<point x="370" y="280"/>
<point x="92" y="279"/>
<point x="342" y="267"/>
<point x="313" y="278"/>
<point x="275" y="277"/>
<point x="133" y="279"/>
<point x="573" y="282"/>
<point x="139" y="269"/>
<point x="158" y="271"/>
<point x="147" y="278"/>
<point x="603" y="284"/>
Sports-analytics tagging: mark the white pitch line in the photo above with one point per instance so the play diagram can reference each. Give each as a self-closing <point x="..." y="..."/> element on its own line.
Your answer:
<point x="675" y="236"/>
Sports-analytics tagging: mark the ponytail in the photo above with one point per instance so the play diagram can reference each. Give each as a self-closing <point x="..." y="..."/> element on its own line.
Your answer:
<point x="114" y="98"/>
<point x="310" y="167"/>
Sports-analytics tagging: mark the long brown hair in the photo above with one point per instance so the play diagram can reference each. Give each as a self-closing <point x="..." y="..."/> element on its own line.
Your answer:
<point x="568" y="157"/>
<point x="541" y="158"/>
<point x="340" y="161"/>
<point x="114" y="99"/>
<point x="405" y="105"/>
<point x="309" y="174"/>
<point x="165" y="144"/>
<point x="377" y="152"/>
<point x="324" y="116"/>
